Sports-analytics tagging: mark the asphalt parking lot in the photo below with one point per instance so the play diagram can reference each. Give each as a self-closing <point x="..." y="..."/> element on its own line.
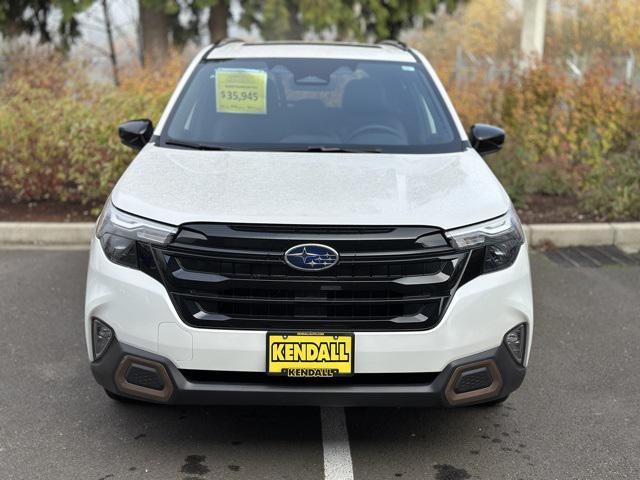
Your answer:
<point x="577" y="415"/>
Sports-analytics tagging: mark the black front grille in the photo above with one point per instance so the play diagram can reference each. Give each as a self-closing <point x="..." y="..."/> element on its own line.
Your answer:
<point x="312" y="311"/>
<point x="235" y="277"/>
<point x="276" y="268"/>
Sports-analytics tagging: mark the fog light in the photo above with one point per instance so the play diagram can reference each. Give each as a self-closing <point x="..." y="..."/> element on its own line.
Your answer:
<point x="102" y="338"/>
<point x="515" y="342"/>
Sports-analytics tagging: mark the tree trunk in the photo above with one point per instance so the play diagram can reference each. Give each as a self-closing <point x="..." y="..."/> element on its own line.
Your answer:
<point x="12" y="29"/>
<point x="154" y="30"/>
<point x="296" y="30"/>
<point x="112" y="50"/>
<point x="218" y="15"/>
<point x="533" y="30"/>
<point x="41" y="19"/>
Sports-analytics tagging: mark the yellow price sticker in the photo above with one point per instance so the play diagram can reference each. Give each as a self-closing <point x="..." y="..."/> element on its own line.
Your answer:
<point x="241" y="91"/>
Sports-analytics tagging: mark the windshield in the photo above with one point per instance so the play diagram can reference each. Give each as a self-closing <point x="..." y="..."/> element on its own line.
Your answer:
<point x="312" y="105"/>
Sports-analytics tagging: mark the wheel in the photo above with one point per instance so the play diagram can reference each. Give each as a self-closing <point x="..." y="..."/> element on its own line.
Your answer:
<point x="494" y="403"/>
<point x="119" y="398"/>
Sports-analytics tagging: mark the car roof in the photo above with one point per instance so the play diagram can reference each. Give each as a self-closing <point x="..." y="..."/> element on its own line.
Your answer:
<point x="385" y="51"/>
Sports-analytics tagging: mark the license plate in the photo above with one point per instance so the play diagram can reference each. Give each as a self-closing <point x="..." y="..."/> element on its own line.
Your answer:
<point x="310" y="354"/>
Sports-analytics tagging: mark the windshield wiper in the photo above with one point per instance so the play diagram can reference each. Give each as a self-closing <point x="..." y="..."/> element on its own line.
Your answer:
<point x="323" y="149"/>
<point x="313" y="148"/>
<point x="197" y="146"/>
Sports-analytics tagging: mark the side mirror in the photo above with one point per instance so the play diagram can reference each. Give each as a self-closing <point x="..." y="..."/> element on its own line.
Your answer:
<point x="486" y="139"/>
<point x="136" y="133"/>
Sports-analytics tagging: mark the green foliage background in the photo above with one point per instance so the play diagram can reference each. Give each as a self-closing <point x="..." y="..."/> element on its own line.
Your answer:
<point x="565" y="136"/>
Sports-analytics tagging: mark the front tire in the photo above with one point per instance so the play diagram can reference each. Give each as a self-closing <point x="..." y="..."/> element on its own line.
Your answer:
<point x="119" y="398"/>
<point x="495" y="403"/>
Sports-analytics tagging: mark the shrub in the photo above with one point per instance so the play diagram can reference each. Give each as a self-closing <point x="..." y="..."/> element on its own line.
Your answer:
<point x="59" y="129"/>
<point x="561" y="132"/>
<point x="565" y="136"/>
<point x="612" y="188"/>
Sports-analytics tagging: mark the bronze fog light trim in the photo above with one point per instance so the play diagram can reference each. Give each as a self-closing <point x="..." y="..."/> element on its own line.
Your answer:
<point x="474" y="395"/>
<point x="125" y="387"/>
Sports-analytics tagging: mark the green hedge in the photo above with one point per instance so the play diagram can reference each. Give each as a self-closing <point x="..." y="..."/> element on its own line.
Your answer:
<point x="58" y="133"/>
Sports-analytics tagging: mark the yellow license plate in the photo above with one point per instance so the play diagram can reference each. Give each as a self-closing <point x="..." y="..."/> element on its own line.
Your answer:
<point x="310" y="354"/>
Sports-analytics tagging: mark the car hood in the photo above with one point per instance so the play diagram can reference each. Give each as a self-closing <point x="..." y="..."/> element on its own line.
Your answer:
<point x="180" y="186"/>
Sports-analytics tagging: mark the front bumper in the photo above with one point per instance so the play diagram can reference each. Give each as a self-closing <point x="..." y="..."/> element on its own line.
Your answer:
<point x="111" y="372"/>
<point x="139" y="310"/>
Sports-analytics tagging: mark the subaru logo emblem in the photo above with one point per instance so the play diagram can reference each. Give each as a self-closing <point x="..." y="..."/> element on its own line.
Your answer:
<point x="311" y="257"/>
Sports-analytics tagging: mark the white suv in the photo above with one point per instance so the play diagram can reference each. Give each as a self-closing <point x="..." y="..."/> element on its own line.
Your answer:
<point x="309" y="224"/>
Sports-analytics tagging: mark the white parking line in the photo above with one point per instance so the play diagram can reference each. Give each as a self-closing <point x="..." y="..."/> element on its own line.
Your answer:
<point x="335" y="444"/>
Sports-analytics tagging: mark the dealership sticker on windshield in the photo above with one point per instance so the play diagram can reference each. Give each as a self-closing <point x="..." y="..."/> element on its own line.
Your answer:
<point x="241" y="91"/>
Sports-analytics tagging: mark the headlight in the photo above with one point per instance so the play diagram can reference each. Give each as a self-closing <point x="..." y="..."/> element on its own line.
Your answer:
<point x="120" y="232"/>
<point x="501" y="239"/>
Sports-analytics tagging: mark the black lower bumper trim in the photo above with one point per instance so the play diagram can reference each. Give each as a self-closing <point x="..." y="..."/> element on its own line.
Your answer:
<point x="186" y="392"/>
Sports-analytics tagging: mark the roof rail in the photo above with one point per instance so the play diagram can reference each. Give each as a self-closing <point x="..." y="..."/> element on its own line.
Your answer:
<point x="394" y="43"/>
<point x="220" y="43"/>
<point x="312" y="42"/>
<point x="225" y="41"/>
